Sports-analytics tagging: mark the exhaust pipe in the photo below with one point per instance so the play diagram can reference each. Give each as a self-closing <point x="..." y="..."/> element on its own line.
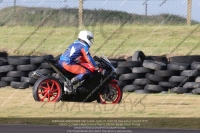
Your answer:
<point x="37" y="75"/>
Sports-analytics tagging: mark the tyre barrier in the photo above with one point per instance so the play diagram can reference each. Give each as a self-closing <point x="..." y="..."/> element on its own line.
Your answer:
<point x="157" y="74"/>
<point x="138" y="73"/>
<point x="15" y="71"/>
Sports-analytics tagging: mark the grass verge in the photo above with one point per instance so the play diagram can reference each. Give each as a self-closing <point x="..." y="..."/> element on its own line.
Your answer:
<point x="153" y="40"/>
<point x="18" y="106"/>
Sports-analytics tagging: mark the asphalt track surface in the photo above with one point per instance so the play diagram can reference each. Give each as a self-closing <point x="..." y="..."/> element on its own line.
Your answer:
<point x="65" y="129"/>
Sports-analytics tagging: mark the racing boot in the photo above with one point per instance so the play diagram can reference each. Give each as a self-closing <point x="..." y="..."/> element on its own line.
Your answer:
<point x="68" y="87"/>
<point x="74" y="80"/>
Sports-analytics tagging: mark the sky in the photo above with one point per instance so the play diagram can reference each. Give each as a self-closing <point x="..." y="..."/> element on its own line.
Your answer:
<point x="154" y="7"/>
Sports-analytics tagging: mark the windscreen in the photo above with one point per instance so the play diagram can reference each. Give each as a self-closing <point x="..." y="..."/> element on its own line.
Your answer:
<point x="105" y="58"/>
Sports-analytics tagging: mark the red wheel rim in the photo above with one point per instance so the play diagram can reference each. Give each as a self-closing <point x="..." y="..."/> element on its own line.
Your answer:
<point x="115" y="100"/>
<point x="49" y="90"/>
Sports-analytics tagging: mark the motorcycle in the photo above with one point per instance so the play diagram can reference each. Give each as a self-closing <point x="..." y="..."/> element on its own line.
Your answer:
<point x="101" y="87"/>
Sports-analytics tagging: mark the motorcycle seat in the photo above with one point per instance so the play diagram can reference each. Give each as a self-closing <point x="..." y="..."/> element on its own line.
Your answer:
<point x="58" y="67"/>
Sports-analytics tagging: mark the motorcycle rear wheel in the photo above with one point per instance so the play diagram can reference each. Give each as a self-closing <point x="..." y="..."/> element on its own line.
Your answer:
<point x="47" y="89"/>
<point x="113" y="97"/>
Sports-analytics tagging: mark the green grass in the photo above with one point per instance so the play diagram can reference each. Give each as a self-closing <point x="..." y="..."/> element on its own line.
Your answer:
<point x="152" y="40"/>
<point x="18" y="107"/>
<point x="16" y="103"/>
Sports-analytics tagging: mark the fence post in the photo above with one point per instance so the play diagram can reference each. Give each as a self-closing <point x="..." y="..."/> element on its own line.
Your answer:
<point x="146" y="6"/>
<point x="14" y="5"/>
<point x="80" y="13"/>
<point x="189" y="10"/>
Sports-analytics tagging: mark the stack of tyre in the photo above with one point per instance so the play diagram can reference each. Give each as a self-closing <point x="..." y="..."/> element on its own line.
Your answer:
<point x="138" y="73"/>
<point x="3" y="62"/>
<point x="143" y="74"/>
<point x="16" y="71"/>
<point x="189" y="68"/>
<point x="155" y="74"/>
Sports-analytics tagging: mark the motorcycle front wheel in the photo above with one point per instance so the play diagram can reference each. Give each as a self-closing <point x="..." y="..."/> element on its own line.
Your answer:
<point x="114" y="95"/>
<point x="47" y="89"/>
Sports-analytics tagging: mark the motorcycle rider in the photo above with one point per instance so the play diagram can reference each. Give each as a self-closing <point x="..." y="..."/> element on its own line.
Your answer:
<point x="78" y="52"/>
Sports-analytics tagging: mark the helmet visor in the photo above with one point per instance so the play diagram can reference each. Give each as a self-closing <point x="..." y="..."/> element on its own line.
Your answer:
<point x="91" y="39"/>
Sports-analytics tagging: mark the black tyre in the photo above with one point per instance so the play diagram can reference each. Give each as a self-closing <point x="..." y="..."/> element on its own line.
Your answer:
<point x="36" y="59"/>
<point x="16" y="74"/>
<point x="197" y="79"/>
<point x="45" y="71"/>
<point x="154" y="78"/>
<point x="196" y="91"/>
<point x="143" y="81"/>
<point x="18" y="60"/>
<point x="130" y="76"/>
<point x="178" y="66"/>
<point x="3" y="84"/>
<point x="30" y="67"/>
<point x="142" y="91"/>
<point x="114" y="63"/>
<point x="138" y="56"/>
<point x="32" y="80"/>
<point x="117" y="60"/>
<point x="3" y="62"/>
<point x="114" y="98"/>
<point x="129" y="64"/>
<point x="3" y="54"/>
<point x="45" y="65"/>
<point x="190" y="73"/>
<point x="195" y="65"/>
<point x="4" y="58"/>
<point x="185" y="59"/>
<point x="141" y="70"/>
<point x="177" y="79"/>
<point x="28" y="79"/>
<point x="19" y="85"/>
<point x="129" y="58"/>
<point x="191" y="85"/>
<point x="168" y="84"/>
<point x="123" y="70"/>
<point x="3" y="74"/>
<point x="128" y="88"/>
<point x="7" y="68"/>
<point x="154" y="65"/>
<point x="9" y="79"/>
<point x="180" y="90"/>
<point x="39" y="59"/>
<point x="24" y="79"/>
<point x="47" y="89"/>
<point x="166" y="73"/>
<point x="123" y="83"/>
<point x="164" y="92"/>
<point x="154" y="88"/>
<point x="131" y="88"/>
<point x="162" y="59"/>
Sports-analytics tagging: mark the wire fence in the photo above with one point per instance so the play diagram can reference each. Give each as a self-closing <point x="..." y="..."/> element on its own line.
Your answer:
<point x="111" y="17"/>
<point x="92" y="12"/>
